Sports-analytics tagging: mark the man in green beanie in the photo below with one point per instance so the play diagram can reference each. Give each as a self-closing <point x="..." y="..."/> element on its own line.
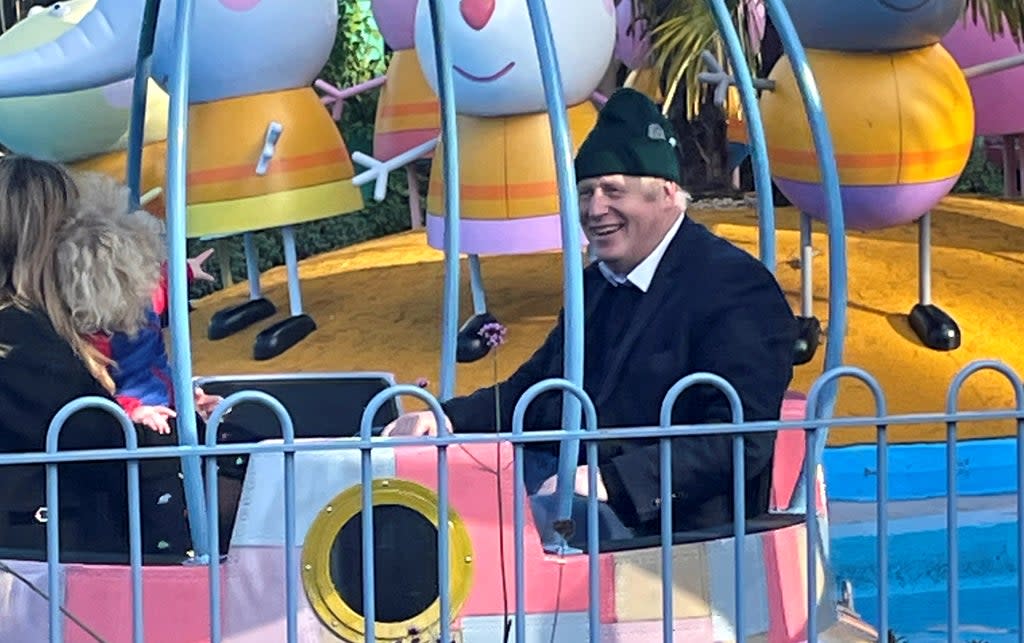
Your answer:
<point x="664" y="298"/>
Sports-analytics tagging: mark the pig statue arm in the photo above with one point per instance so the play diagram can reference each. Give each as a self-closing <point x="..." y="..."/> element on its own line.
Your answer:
<point x="994" y="66"/>
<point x="380" y="170"/>
<point x="717" y="76"/>
<point x="335" y="98"/>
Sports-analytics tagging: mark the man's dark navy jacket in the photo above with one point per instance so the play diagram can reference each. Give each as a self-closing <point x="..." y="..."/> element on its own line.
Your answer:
<point x="711" y="307"/>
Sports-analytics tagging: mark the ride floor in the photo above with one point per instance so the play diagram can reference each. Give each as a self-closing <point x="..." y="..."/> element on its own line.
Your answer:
<point x="377" y="306"/>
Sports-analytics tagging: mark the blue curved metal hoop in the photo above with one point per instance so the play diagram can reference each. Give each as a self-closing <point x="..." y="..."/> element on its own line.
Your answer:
<point x="213" y="526"/>
<point x="54" y="579"/>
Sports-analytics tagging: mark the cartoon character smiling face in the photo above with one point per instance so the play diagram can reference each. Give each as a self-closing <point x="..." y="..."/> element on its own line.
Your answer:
<point x="496" y="67"/>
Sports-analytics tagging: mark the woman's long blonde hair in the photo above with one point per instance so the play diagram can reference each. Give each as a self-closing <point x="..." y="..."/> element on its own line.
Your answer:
<point x="36" y="199"/>
<point x="41" y="218"/>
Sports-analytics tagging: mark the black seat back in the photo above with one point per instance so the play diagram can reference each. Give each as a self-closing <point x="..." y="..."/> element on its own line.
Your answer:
<point x="321" y="405"/>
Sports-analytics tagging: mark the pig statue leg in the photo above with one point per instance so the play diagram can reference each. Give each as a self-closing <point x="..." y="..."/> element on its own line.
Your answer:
<point x="282" y="335"/>
<point x="229" y="321"/>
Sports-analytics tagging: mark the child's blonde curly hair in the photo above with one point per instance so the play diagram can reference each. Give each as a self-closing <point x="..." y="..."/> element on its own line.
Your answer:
<point x="109" y="258"/>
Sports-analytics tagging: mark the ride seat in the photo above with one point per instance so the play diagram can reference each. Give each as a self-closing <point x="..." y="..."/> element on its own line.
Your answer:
<point x="321" y="405"/>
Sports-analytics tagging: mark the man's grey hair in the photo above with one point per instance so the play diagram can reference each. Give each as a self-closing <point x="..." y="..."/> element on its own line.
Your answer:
<point x="683" y="199"/>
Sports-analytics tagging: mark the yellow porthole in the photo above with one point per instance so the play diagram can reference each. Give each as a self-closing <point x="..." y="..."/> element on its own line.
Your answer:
<point x="405" y="523"/>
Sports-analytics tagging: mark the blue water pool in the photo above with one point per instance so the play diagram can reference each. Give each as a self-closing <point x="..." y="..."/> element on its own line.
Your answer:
<point x="916" y="471"/>
<point x="918" y="582"/>
<point x="918" y="568"/>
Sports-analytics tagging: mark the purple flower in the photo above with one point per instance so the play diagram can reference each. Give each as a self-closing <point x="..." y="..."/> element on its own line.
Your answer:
<point x="422" y="382"/>
<point x="494" y="334"/>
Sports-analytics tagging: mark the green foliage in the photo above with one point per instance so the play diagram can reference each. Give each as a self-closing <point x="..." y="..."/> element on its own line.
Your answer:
<point x="994" y="13"/>
<point x="682" y="30"/>
<point x="358" y="53"/>
<point x="358" y="56"/>
<point x="981" y="176"/>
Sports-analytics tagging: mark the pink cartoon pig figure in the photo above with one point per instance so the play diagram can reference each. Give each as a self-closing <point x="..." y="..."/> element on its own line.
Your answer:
<point x="408" y="111"/>
<point x="508" y="191"/>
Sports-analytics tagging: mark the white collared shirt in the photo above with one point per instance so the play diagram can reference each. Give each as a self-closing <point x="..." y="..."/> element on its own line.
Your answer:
<point x="642" y="275"/>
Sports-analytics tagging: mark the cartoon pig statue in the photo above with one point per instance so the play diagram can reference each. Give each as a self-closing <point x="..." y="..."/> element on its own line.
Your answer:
<point x="633" y="49"/>
<point x="509" y="191"/>
<point x="86" y="129"/>
<point x="408" y="111"/>
<point x="263" y="152"/>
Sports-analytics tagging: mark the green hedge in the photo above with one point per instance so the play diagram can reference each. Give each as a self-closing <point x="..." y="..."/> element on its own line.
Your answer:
<point x="981" y="176"/>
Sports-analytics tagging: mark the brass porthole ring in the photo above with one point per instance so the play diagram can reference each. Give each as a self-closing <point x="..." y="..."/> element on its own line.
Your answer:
<point x="405" y="537"/>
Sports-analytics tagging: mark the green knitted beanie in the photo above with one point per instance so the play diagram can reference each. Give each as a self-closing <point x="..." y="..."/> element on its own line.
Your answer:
<point x="631" y="137"/>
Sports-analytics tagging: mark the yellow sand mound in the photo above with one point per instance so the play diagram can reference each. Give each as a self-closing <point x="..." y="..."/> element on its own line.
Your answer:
<point x="377" y="305"/>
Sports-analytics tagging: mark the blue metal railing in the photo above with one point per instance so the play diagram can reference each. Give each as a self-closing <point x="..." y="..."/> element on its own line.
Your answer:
<point x="203" y="508"/>
<point x="755" y="130"/>
<point x="518" y="438"/>
<point x="444" y="535"/>
<point x="828" y="381"/>
<point x="665" y="480"/>
<point x="572" y="259"/>
<point x="564" y="499"/>
<point x="53" y="577"/>
<point x="213" y="522"/>
<point x="951" y="490"/>
<point x="452" y="200"/>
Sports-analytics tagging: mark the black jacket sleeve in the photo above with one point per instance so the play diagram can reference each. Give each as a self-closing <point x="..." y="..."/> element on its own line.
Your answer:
<point x="746" y="335"/>
<point x="476" y="413"/>
<point x="39" y="375"/>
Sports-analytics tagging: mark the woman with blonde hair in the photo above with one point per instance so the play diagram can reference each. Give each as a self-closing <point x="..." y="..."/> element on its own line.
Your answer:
<point x="46" y="362"/>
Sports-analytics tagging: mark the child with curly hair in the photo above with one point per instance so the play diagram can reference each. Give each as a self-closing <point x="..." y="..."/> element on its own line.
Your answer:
<point x="112" y="279"/>
<point x="139" y="366"/>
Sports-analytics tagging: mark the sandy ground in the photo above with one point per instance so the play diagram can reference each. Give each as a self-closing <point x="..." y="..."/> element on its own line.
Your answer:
<point x="377" y="305"/>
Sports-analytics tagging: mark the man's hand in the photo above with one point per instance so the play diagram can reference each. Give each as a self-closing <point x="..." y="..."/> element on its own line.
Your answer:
<point x="154" y="417"/>
<point x="581" y="486"/>
<point x="205" y="404"/>
<point x="417" y="424"/>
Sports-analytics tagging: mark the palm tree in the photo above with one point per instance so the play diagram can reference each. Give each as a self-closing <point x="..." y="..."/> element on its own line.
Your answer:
<point x="682" y="29"/>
